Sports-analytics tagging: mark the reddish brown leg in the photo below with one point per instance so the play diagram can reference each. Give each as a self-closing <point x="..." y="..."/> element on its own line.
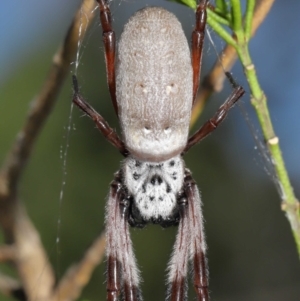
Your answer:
<point x="197" y="239"/>
<point x="109" y="41"/>
<point x="211" y="124"/>
<point x="197" y="44"/>
<point x="189" y="246"/>
<point x="100" y="122"/>
<point x="122" y="272"/>
<point x="178" y="266"/>
<point x="113" y="285"/>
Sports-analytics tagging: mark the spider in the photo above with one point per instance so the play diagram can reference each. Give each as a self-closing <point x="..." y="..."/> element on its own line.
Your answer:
<point x="153" y="81"/>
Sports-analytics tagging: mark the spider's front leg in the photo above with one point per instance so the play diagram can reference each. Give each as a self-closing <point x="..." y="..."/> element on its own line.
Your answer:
<point x="189" y="246"/>
<point x="197" y="239"/>
<point x="122" y="271"/>
<point x="178" y="266"/>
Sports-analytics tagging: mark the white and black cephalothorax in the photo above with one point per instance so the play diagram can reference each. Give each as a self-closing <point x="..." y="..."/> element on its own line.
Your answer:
<point x="153" y="80"/>
<point x="155" y="188"/>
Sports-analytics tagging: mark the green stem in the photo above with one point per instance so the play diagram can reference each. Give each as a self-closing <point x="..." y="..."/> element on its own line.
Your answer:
<point x="259" y="101"/>
<point x="219" y="29"/>
<point x="249" y="18"/>
<point x="237" y="26"/>
<point x="221" y="6"/>
<point x="218" y="18"/>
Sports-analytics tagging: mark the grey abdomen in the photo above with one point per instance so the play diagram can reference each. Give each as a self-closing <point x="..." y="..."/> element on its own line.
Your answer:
<point x="154" y="85"/>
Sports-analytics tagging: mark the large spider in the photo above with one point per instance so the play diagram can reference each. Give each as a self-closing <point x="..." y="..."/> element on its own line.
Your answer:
<point x="153" y="85"/>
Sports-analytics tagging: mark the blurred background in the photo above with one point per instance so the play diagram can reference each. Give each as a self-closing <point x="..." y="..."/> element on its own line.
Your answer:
<point x="252" y="255"/>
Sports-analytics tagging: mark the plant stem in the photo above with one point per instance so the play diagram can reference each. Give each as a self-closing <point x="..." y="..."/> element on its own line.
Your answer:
<point x="248" y="18"/>
<point x="242" y="31"/>
<point x="259" y="101"/>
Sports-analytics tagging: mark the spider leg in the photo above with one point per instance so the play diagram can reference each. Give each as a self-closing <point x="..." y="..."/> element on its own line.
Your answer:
<point x="197" y="239"/>
<point x="189" y="246"/>
<point x="109" y="41"/>
<point x="122" y="271"/>
<point x="178" y="265"/>
<point x="197" y="44"/>
<point x="219" y="116"/>
<point x="100" y="122"/>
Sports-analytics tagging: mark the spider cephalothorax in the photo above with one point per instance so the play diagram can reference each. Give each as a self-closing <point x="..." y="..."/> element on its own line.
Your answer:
<point x="155" y="189"/>
<point x="153" y="87"/>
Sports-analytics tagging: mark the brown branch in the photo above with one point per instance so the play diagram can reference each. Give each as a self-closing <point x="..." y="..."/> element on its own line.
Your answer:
<point x="11" y="287"/>
<point x="7" y="253"/>
<point x="44" y="102"/>
<point x="79" y="275"/>
<point x="213" y="82"/>
<point x="30" y="259"/>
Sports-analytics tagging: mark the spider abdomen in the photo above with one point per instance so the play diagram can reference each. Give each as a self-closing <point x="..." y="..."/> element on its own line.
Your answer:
<point x="154" y="188"/>
<point x="154" y="85"/>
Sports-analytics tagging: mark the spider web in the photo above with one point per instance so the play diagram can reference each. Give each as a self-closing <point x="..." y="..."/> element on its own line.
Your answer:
<point x="264" y="156"/>
<point x="67" y="131"/>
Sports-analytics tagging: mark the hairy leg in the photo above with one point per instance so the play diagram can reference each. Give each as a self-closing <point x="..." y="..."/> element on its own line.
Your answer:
<point x="122" y="271"/>
<point x="197" y="243"/>
<point x="178" y="265"/>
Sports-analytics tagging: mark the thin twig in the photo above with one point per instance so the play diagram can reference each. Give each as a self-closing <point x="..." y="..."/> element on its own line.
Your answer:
<point x="44" y="102"/>
<point x="79" y="275"/>
<point x="11" y="287"/>
<point x="7" y="253"/>
<point x="241" y="33"/>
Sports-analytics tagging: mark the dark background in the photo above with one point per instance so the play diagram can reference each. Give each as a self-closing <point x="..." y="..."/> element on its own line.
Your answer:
<point x="251" y="253"/>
